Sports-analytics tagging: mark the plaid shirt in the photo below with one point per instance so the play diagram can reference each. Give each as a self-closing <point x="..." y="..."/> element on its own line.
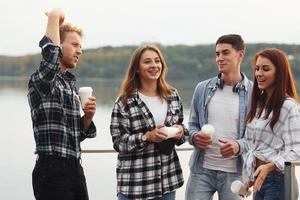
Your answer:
<point x="278" y="145"/>
<point x="142" y="171"/>
<point x="55" y="107"/>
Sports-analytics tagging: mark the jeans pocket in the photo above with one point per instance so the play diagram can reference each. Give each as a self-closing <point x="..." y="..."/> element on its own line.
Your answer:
<point x="50" y="174"/>
<point x="37" y="181"/>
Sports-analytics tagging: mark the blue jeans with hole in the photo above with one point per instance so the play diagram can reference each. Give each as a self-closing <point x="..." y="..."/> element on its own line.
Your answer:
<point x="167" y="196"/>
<point x="203" y="186"/>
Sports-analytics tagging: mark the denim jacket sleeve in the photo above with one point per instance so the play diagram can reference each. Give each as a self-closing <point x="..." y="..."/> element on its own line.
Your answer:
<point x="194" y="125"/>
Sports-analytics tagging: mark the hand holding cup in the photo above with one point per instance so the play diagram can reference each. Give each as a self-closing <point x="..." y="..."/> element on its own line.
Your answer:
<point x="203" y="138"/>
<point x="84" y="94"/>
<point x="208" y="129"/>
<point x="170" y="131"/>
<point x="237" y="187"/>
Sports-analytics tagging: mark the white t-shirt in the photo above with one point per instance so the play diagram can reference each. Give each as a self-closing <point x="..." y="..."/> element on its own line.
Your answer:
<point x="223" y="114"/>
<point x="157" y="106"/>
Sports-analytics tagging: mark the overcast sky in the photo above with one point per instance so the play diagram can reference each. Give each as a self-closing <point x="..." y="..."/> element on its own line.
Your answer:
<point x="169" y="22"/>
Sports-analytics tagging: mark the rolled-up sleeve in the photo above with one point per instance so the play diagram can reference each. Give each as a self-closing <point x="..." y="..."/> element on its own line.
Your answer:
<point x="45" y="74"/>
<point x="123" y="141"/>
<point x="91" y="132"/>
<point x="290" y="130"/>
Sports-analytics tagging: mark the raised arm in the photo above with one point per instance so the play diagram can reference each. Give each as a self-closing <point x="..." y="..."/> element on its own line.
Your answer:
<point x="42" y="79"/>
<point x="56" y="18"/>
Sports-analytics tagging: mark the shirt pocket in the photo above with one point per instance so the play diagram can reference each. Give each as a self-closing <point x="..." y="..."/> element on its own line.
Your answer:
<point x="173" y="114"/>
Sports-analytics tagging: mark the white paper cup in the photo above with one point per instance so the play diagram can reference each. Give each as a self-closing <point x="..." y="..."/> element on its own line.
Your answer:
<point x="85" y="93"/>
<point x="208" y="129"/>
<point x="237" y="187"/>
<point x="170" y="131"/>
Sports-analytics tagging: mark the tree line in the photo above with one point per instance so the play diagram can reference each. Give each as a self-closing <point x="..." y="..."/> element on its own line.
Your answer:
<point x="184" y="62"/>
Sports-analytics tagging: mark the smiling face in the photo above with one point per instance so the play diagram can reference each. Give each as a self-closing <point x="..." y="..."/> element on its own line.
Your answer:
<point x="265" y="73"/>
<point x="71" y="50"/>
<point x="150" y="66"/>
<point x="228" y="58"/>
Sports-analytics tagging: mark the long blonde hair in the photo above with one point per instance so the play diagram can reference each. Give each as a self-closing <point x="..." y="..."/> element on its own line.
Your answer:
<point x="131" y="81"/>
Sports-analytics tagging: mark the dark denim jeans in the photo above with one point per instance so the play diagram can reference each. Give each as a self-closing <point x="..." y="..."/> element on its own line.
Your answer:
<point x="272" y="188"/>
<point x="57" y="178"/>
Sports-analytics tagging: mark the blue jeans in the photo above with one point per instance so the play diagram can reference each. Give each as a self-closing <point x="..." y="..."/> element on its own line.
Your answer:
<point x="272" y="188"/>
<point x="167" y="196"/>
<point x="203" y="186"/>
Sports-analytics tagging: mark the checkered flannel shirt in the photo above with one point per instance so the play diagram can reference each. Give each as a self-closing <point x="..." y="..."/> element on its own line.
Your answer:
<point x="142" y="171"/>
<point x="55" y="107"/>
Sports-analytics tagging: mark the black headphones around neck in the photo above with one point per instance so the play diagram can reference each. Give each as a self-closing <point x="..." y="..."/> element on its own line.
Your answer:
<point x="236" y="88"/>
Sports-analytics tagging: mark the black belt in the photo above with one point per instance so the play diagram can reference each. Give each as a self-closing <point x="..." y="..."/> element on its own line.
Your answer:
<point x="42" y="158"/>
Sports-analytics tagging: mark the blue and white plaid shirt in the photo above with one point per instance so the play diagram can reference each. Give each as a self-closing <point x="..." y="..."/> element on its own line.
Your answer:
<point x="142" y="171"/>
<point x="55" y="107"/>
<point x="278" y="145"/>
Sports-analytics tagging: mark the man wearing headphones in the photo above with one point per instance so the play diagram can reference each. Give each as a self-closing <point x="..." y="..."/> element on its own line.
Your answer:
<point x="221" y="101"/>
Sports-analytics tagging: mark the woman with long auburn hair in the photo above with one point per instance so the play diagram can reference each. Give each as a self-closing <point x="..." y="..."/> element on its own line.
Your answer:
<point x="273" y="128"/>
<point x="144" y="115"/>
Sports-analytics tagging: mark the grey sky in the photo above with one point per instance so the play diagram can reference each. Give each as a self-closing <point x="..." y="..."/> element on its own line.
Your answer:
<point x="169" y="22"/>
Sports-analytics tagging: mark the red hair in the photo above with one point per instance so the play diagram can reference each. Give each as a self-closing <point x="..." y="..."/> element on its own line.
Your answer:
<point x="284" y="84"/>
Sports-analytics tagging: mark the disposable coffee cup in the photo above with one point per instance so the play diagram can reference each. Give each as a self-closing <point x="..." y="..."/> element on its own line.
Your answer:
<point x="237" y="187"/>
<point x="208" y="129"/>
<point x="85" y="93"/>
<point x="170" y="131"/>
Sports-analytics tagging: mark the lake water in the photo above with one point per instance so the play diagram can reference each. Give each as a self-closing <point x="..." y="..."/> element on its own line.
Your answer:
<point x="17" y="142"/>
